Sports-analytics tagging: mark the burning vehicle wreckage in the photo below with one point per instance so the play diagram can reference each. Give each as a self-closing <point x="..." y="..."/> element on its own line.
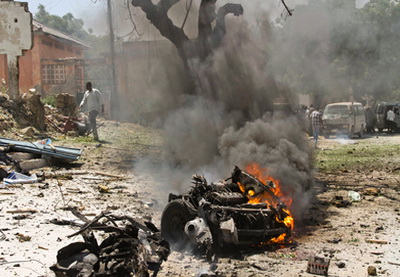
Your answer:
<point x="240" y="211"/>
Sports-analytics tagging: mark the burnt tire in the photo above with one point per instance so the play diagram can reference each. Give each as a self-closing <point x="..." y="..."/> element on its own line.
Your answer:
<point x="173" y="221"/>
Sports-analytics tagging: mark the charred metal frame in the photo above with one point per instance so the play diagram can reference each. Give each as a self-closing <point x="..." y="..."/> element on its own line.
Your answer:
<point x="218" y="215"/>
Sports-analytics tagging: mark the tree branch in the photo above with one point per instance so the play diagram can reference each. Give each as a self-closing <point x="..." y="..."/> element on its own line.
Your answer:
<point x="290" y="12"/>
<point x="220" y="29"/>
<point x="158" y="16"/>
<point x="187" y="13"/>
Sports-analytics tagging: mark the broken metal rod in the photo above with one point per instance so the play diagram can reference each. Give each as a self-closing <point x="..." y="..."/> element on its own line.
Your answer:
<point x="87" y="225"/>
<point x="376" y="241"/>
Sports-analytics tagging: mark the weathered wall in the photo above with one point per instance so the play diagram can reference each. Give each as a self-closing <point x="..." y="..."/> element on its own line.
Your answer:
<point x="15" y="31"/>
<point x="15" y="37"/>
<point x="44" y="51"/>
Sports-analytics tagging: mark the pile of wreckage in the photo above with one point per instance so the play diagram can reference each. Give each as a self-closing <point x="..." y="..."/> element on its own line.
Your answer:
<point x="132" y="248"/>
<point x="209" y="219"/>
<point x="128" y="246"/>
<point x="22" y="156"/>
<point x="27" y="116"/>
<point x="29" y="111"/>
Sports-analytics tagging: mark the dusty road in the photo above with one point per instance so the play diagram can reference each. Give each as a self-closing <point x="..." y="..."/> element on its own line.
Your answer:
<point x="353" y="235"/>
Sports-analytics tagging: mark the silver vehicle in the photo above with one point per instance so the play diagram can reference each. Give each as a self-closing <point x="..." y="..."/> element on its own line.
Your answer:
<point x="343" y="118"/>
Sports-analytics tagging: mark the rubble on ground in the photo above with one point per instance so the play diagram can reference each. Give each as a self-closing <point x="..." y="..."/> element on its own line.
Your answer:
<point x="132" y="248"/>
<point x="66" y="104"/>
<point x="29" y="111"/>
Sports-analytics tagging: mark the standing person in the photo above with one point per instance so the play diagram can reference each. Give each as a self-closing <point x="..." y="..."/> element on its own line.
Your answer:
<point x="390" y="120"/>
<point x="93" y="104"/>
<point x="316" y="122"/>
<point x="309" y="123"/>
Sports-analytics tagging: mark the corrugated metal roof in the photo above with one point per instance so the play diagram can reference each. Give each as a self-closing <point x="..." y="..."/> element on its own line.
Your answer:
<point x="40" y="27"/>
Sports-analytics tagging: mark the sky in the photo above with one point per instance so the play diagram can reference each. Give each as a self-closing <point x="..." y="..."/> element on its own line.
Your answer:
<point x="79" y="8"/>
<point x="94" y="12"/>
<point x="61" y="7"/>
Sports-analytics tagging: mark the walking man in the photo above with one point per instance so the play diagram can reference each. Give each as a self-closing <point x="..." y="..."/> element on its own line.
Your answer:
<point x="316" y="122"/>
<point x="93" y="104"/>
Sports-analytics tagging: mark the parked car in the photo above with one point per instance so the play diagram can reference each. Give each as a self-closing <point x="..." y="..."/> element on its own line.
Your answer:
<point x="381" y="110"/>
<point x="343" y="118"/>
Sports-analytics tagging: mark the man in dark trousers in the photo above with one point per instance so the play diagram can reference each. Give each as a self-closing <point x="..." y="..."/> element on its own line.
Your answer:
<point x="93" y="104"/>
<point x="316" y="123"/>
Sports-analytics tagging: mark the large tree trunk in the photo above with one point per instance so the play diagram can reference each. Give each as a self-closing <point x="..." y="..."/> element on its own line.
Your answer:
<point x="208" y="38"/>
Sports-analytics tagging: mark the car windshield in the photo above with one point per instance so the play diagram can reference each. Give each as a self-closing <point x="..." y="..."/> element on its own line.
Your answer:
<point x="336" y="110"/>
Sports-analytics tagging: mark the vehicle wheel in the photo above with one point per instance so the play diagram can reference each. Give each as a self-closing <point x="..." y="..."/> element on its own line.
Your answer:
<point x="173" y="221"/>
<point x="380" y="130"/>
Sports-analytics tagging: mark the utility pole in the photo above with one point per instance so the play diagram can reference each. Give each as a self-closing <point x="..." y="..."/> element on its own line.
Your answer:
<point x="114" y="89"/>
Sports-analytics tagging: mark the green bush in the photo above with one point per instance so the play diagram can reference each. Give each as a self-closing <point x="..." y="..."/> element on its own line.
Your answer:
<point x="49" y="100"/>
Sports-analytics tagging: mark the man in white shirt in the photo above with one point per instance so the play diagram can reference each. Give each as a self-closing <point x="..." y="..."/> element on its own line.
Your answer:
<point x="92" y="102"/>
<point x="390" y="120"/>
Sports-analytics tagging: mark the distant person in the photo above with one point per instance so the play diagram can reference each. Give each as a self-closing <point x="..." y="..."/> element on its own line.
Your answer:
<point x="316" y="123"/>
<point x="308" y="115"/>
<point x="370" y="119"/>
<point x="390" y="116"/>
<point x="92" y="103"/>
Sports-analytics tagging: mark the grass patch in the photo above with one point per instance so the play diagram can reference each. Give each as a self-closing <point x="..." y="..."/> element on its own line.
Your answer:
<point x="133" y="138"/>
<point x="358" y="157"/>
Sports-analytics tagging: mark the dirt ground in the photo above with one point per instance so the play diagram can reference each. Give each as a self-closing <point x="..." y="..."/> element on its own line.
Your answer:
<point x="353" y="235"/>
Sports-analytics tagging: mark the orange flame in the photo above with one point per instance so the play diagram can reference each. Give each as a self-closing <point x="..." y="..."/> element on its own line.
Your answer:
<point x="262" y="175"/>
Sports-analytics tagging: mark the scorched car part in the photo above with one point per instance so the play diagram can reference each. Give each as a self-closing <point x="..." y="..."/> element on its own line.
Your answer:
<point x="219" y="214"/>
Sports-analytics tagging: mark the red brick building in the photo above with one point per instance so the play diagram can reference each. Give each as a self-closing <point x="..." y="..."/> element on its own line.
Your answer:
<point x="54" y="65"/>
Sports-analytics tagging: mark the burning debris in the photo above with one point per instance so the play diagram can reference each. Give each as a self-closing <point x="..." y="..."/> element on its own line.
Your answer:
<point x="239" y="211"/>
<point x="130" y="250"/>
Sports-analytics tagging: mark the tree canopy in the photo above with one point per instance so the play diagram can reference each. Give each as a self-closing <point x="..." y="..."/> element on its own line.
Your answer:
<point x="74" y="27"/>
<point x="67" y="24"/>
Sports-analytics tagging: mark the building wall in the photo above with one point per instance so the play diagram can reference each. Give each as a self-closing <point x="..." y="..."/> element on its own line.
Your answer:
<point x="46" y="50"/>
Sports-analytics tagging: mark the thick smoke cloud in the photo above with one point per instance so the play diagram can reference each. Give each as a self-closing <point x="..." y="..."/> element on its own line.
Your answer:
<point x="232" y="119"/>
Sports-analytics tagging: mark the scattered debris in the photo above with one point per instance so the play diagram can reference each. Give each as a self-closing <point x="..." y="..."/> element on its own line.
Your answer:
<point x="46" y="149"/>
<point x="371" y="271"/>
<point x="354" y="196"/>
<point x="110" y="175"/>
<point x="18" y="178"/>
<point x="103" y="189"/>
<point x="318" y="265"/>
<point x="335" y="240"/>
<point x="339" y="202"/>
<point x="392" y="263"/>
<point x="133" y="249"/>
<point x="376" y="253"/>
<point x="341" y="264"/>
<point x="376" y="241"/>
<point x="31" y="211"/>
<point x="23" y="238"/>
<point x="371" y="191"/>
